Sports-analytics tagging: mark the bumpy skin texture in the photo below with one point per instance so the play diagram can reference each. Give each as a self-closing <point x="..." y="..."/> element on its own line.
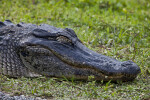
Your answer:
<point x="29" y="50"/>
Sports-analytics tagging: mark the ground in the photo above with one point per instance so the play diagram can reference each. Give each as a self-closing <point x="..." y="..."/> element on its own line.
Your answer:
<point x="116" y="28"/>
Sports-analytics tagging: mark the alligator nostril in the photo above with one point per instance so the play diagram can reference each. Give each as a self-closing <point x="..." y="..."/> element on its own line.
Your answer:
<point x="130" y="67"/>
<point x="127" y="63"/>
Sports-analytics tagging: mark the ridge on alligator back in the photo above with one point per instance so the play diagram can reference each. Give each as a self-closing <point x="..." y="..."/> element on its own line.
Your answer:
<point x="29" y="50"/>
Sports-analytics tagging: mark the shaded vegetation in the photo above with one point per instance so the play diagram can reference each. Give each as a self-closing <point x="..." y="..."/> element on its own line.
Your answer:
<point x="116" y="28"/>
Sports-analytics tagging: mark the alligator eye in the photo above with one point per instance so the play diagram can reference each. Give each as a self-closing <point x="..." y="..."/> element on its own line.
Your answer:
<point x="63" y="39"/>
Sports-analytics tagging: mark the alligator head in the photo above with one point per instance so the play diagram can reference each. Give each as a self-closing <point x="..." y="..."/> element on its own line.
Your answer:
<point x="50" y="51"/>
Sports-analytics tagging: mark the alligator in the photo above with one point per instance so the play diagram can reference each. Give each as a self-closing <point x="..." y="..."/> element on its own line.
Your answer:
<point x="30" y="50"/>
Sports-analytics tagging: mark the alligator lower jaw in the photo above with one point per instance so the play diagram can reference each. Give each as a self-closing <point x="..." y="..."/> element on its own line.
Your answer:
<point x="101" y="77"/>
<point x="96" y="78"/>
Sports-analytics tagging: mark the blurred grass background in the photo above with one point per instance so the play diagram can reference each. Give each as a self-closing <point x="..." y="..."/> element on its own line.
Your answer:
<point x="116" y="28"/>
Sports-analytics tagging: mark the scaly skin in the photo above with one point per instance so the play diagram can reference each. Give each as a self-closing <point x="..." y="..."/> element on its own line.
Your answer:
<point x="29" y="50"/>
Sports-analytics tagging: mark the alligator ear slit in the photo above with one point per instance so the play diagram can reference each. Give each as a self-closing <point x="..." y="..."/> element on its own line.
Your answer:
<point x="19" y="25"/>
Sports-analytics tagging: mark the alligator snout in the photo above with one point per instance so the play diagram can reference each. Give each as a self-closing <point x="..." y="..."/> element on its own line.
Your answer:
<point x="130" y="68"/>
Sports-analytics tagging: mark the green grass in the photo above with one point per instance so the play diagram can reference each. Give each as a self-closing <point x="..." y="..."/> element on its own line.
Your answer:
<point x="116" y="28"/>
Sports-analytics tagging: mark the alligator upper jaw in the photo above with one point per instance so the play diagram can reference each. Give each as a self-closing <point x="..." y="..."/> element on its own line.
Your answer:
<point x="81" y="57"/>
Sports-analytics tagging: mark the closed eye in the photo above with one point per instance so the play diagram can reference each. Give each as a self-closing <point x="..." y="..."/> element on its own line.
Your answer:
<point x="63" y="39"/>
